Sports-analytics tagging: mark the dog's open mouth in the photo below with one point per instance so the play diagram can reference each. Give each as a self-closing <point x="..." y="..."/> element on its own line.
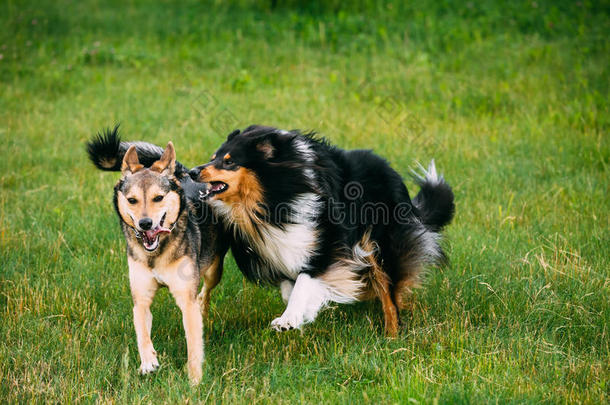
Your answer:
<point x="217" y="187"/>
<point x="150" y="238"/>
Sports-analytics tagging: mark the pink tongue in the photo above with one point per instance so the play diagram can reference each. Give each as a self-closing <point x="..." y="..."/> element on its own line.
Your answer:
<point x="154" y="232"/>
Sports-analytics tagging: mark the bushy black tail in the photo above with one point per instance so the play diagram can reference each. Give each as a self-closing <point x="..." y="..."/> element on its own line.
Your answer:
<point x="106" y="151"/>
<point x="434" y="200"/>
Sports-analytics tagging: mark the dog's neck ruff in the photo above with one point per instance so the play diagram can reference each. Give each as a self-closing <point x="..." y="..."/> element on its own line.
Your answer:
<point x="282" y="250"/>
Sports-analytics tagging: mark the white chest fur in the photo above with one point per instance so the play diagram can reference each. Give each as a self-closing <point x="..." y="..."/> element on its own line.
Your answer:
<point x="286" y="250"/>
<point x="181" y="271"/>
<point x="159" y="276"/>
<point x="289" y="248"/>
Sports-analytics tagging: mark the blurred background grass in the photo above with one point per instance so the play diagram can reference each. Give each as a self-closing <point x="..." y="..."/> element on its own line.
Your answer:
<point x="509" y="97"/>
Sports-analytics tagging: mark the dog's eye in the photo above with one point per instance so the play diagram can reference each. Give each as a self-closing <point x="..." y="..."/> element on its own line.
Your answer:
<point x="158" y="198"/>
<point x="132" y="201"/>
<point x="229" y="162"/>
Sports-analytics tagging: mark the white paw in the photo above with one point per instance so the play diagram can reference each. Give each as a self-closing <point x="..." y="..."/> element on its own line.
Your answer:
<point x="287" y="322"/>
<point x="149" y="365"/>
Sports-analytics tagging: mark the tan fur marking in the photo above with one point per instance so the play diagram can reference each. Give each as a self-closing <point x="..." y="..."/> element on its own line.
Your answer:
<point x="342" y="278"/>
<point x="145" y="206"/>
<point x="245" y="194"/>
<point x="403" y="288"/>
<point x="227" y="156"/>
<point x="193" y="329"/>
<point x="390" y="312"/>
<point x="167" y="163"/>
<point x="211" y="278"/>
<point x="411" y="270"/>
<point x="266" y="149"/>
<point x="131" y="164"/>
<point x="172" y="267"/>
<point x="181" y="276"/>
<point x="380" y="285"/>
<point x="126" y="210"/>
<point x="143" y="289"/>
<point x="107" y="163"/>
<point x="170" y="205"/>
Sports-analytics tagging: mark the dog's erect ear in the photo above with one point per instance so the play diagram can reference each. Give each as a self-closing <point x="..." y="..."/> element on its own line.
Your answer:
<point x="167" y="164"/>
<point x="131" y="164"/>
<point x="233" y="134"/>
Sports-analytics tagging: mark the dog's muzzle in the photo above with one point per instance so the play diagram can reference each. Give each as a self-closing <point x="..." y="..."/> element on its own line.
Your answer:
<point x="195" y="173"/>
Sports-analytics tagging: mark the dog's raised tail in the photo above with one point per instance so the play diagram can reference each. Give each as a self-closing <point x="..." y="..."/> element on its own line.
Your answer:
<point x="435" y="200"/>
<point x="106" y="151"/>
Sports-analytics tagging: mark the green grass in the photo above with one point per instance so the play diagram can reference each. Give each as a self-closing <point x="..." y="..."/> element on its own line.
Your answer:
<point x="509" y="97"/>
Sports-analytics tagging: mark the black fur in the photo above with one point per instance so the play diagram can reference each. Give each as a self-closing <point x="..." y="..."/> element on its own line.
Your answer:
<point x="103" y="149"/>
<point x="435" y="203"/>
<point x="106" y="151"/>
<point x="358" y="199"/>
<point x="290" y="163"/>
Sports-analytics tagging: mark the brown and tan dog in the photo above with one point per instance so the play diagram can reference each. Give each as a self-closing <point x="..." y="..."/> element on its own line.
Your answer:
<point x="171" y="239"/>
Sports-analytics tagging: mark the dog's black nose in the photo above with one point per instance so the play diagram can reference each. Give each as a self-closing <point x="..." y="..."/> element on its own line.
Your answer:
<point x="194" y="173"/>
<point x="145" y="224"/>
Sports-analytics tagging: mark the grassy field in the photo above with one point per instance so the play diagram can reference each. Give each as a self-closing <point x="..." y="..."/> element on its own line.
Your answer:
<point x="509" y="97"/>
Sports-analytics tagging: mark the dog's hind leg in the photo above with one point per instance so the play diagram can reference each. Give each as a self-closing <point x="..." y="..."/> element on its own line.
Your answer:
<point x="143" y="289"/>
<point x="390" y="311"/>
<point x="380" y="285"/>
<point x="211" y="278"/>
<point x="403" y="289"/>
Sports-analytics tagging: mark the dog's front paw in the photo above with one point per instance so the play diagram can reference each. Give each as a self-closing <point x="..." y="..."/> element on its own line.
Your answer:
<point x="195" y="372"/>
<point x="287" y="322"/>
<point x="149" y="365"/>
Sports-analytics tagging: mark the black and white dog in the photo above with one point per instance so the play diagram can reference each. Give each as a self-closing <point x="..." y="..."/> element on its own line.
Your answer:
<point x="322" y="223"/>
